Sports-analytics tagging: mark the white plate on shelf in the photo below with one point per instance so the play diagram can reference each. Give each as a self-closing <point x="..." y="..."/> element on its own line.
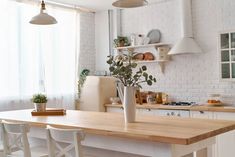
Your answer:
<point x="154" y="36"/>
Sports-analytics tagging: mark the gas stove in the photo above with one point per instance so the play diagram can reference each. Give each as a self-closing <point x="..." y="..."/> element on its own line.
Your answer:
<point x="180" y="103"/>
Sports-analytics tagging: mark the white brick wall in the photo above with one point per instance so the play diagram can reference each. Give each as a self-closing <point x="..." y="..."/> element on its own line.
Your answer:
<point x="187" y="77"/>
<point x="87" y="42"/>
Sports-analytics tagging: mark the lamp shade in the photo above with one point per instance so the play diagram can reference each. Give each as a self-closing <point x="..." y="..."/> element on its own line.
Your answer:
<point x="43" y="18"/>
<point x="129" y="3"/>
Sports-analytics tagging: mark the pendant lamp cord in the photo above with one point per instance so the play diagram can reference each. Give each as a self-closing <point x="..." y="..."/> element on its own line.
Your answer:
<point x="43" y="5"/>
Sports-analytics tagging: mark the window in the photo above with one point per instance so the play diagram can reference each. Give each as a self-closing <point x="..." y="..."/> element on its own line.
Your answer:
<point x="36" y="58"/>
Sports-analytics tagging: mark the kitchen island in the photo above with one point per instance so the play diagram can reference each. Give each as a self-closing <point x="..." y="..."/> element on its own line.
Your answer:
<point x="149" y="136"/>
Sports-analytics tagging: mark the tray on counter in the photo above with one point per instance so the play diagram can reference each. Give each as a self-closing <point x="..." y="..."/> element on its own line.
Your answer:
<point x="50" y="112"/>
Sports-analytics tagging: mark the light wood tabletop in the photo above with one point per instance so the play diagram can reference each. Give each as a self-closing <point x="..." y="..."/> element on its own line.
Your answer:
<point x="189" y="108"/>
<point x="173" y="130"/>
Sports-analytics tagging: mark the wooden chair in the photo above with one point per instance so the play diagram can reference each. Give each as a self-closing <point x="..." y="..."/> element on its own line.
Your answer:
<point x="64" y="142"/>
<point x="15" y="141"/>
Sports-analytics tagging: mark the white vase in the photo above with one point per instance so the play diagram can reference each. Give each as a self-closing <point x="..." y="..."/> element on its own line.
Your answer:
<point x="129" y="104"/>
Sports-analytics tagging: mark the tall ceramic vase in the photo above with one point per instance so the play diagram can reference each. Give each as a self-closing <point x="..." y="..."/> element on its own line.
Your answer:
<point x="129" y="104"/>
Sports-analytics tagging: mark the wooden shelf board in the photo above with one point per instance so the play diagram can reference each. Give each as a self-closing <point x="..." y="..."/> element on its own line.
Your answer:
<point x="141" y="46"/>
<point x="150" y="61"/>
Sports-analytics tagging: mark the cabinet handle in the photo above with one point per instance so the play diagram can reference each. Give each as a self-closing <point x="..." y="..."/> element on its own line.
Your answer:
<point x="202" y="112"/>
<point x="178" y="115"/>
<point x="168" y="114"/>
<point x="172" y="113"/>
<point x="122" y="108"/>
<point x="148" y="109"/>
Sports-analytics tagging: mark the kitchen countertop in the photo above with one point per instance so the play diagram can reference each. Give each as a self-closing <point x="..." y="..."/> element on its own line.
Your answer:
<point x="172" y="130"/>
<point x="190" y="108"/>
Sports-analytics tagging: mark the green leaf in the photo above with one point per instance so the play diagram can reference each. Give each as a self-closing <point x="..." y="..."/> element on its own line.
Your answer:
<point x="111" y="69"/>
<point x="149" y="82"/>
<point x="144" y="68"/>
<point x="109" y="61"/>
<point x="133" y="65"/>
<point x="145" y="75"/>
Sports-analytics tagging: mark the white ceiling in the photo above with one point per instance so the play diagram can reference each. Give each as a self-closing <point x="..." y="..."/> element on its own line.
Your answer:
<point x="96" y="5"/>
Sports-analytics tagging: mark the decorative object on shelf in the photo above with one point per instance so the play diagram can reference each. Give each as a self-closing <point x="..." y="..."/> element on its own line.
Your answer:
<point x="148" y="56"/>
<point x="146" y="40"/>
<point x="154" y="36"/>
<point x="163" y="53"/>
<point x="131" y="80"/>
<point x="138" y="57"/>
<point x="140" y="39"/>
<point x="39" y="101"/>
<point x="115" y="100"/>
<point x="133" y="39"/>
<point x="81" y="81"/>
<point x="121" y="42"/>
<point x="129" y="3"/>
<point x="43" y="18"/>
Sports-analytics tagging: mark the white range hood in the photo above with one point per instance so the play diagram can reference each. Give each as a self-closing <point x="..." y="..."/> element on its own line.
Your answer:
<point x="186" y="45"/>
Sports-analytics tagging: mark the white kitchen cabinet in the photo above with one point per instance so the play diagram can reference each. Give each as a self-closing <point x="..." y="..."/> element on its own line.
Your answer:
<point x="114" y="109"/>
<point x="227" y="55"/>
<point x="226" y="142"/>
<point x="201" y="114"/>
<point x="178" y="113"/>
<point x="146" y="111"/>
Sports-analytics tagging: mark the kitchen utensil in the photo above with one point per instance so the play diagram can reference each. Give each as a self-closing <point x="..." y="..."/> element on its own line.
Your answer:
<point x="154" y="36"/>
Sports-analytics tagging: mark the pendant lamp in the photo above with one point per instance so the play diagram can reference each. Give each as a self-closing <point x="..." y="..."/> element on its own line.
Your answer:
<point x="129" y="3"/>
<point x="43" y="18"/>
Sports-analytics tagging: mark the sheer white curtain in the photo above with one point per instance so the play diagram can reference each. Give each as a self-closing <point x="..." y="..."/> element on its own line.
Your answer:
<point x="37" y="59"/>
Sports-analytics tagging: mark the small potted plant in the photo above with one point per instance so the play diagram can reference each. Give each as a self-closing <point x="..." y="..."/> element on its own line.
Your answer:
<point x="39" y="101"/>
<point x="131" y="76"/>
<point x="121" y="41"/>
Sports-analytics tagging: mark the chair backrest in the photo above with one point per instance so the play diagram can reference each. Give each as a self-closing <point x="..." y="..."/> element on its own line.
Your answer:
<point x="62" y="141"/>
<point x="15" y="137"/>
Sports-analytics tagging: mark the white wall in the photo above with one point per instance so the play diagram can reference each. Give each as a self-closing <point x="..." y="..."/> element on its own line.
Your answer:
<point x="187" y="77"/>
<point x="87" y="42"/>
<point x="101" y="39"/>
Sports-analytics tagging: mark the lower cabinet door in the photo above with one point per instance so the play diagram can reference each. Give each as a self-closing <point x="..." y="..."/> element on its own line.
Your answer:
<point x="225" y="142"/>
<point x="114" y="109"/>
<point x="145" y="111"/>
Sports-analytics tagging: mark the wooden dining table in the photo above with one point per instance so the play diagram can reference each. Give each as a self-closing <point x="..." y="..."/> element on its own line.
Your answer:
<point x="155" y="136"/>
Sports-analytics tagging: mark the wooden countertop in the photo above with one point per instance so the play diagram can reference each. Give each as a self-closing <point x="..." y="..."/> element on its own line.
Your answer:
<point x="173" y="130"/>
<point x="190" y="108"/>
